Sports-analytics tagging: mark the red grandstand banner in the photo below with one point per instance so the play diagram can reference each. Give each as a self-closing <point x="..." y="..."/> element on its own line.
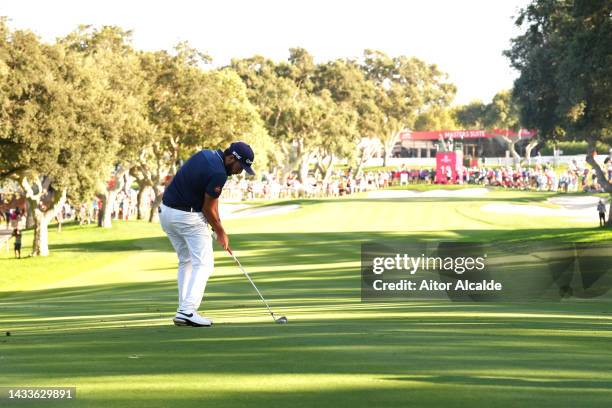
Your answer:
<point x="465" y="134"/>
<point x="447" y="164"/>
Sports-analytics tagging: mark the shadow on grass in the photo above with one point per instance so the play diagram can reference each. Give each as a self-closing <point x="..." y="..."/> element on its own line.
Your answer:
<point x="301" y="248"/>
<point x="400" y="347"/>
<point x="121" y="335"/>
<point x="426" y="351"/>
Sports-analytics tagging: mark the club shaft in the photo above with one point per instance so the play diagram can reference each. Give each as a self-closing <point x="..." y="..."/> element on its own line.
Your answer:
<point x="253" y="283"/>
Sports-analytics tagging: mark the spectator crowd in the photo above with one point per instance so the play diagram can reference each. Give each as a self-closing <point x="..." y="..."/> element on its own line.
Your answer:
<point x="577" y="177"/>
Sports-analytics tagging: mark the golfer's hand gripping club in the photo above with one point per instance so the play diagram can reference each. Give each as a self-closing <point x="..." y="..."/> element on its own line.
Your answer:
<point x="210" y="209"/>
<point x="222" y="240"/>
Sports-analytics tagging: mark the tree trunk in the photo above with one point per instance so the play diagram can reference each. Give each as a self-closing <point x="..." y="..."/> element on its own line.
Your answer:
<point x="108" y="202"/>
<point x="367" y="152"/>
<point x="512" y="148"/>
<point x="109" y="195"/>
<point x="153" y="214"/>
<point x="389" y="147"/>
<point x="291" y="158"/>
<point x="601" y="177"/>
<point x="529" y="148"/>
<point x="30" y="216"/>
<point x="386" y="157"/>
<point x="319" y="168"/>
<point x="141" y="190"/>
<point x="40" y="246"/>
<point x="329" y="170"/>
<point x="358" y="169"/>
<point x="37" y="195"/>
<point x="304" y="163"/>
<point x="515" y="155"/>
<point x="368" y="148"/>
<point x="40" y="234"/>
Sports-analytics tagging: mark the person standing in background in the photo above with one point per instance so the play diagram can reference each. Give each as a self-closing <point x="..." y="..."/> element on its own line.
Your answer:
<point x="601" y="209"/>
<point x="17" y="234"/>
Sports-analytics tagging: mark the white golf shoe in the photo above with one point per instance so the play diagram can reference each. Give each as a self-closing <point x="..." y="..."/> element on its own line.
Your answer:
<point x="191" y="319"/>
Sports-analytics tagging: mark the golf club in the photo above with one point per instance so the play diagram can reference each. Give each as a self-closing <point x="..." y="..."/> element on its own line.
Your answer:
<point x="280" y="320"/>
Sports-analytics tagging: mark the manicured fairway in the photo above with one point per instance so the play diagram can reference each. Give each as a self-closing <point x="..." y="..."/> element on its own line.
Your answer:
<point x="96" y="314"/>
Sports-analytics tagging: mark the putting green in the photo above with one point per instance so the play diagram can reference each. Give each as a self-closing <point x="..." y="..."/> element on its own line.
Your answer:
<point x="96" y="315"/>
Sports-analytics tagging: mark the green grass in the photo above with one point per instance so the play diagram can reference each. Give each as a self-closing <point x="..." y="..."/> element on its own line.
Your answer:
<point x="96" y="315"/>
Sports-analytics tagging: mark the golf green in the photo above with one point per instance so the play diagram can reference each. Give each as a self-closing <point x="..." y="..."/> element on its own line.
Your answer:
<point x="96" y="315"/>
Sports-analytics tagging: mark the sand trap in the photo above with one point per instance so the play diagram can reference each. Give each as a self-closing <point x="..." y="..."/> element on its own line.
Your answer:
<point x="232" y="211"/>
<point x="580" y="209"/>
<point x="537" y="211"/>
<point x="225" y="210"/>
<point x="464" y="192"/>
<point x="577" y="202"/>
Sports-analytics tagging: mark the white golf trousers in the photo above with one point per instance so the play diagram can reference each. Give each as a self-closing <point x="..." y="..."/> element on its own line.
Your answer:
<point x="192" y="241"/>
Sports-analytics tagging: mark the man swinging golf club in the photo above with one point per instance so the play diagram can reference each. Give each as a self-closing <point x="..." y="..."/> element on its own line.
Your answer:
<point x="190" y="203"/>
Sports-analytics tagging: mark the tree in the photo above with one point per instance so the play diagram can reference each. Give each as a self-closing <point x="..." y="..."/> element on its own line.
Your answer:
<point x="109" y="48"/>
<point x="502" y="119"/>
<point x="585" y="71"/>
<point x="31" y="143"/>
<point x="499" y="117"/>
<point x="325" y="129"/>
<point x="535" y="91"/>
<point x="280" y="93"/>
<point x="53" y="142"/>
<point x="436" y="118"/>
<point x="404" y="88"/>
<point x="345" y="82"/>
<point x="299" y="113"/>
<point x="472" y="115"/>
<point x="191" y="109"/>
<point x="469" y="116"/>
<point x="565" y="56"/>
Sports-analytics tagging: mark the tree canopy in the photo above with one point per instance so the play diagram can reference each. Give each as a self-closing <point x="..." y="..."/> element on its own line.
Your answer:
<point x="564" y="60"/>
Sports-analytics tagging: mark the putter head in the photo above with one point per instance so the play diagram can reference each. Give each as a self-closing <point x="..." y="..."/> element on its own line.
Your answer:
<point x="281" y="320"/>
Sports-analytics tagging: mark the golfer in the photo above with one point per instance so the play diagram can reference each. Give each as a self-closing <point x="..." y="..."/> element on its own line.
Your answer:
<point x="189" y="205"/>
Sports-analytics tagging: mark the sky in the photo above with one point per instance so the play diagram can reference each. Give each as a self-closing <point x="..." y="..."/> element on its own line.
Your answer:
<point x="464" y="38"/>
